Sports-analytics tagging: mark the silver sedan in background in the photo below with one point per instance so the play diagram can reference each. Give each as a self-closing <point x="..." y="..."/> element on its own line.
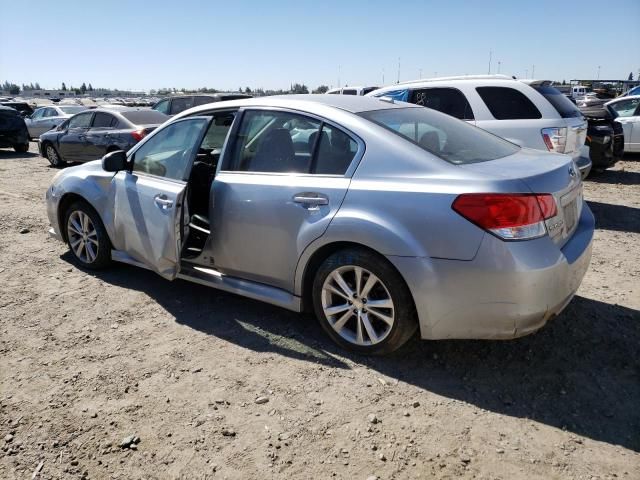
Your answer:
<point x="45" y="118"/>
<point x="382" y="217"/>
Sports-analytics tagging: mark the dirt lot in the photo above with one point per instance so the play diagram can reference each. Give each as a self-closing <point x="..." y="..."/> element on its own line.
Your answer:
<point x="90" y="359"/>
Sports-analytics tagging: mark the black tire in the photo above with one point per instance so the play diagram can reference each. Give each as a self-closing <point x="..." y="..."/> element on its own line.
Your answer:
<point x="21" y="148"/>
<point x="102" y="254"/>
<point x="404" y="315"/>
<point x="51" y="154"/>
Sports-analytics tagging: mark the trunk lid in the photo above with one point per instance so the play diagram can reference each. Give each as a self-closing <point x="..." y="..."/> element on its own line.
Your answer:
<point x="542" y="173"/>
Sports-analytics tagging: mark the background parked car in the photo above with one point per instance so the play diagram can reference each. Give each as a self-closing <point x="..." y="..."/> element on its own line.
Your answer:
<point x="627" y="112"/>
<point x="46" y="118"/>
<point x="91" y="134"/>
<point x="23" y="108"/>
<point x="532" y="114"/>
<point x="174" y="105"/>
<point x="13" y="131"/>
<point x="592" y="104"/>
<point x="351" y="90"/>
<point x="605" y="139"/>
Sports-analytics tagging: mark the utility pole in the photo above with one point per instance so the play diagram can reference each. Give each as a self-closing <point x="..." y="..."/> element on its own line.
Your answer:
<point x="499" y="63"/>
<point x="526" y="73"/>
<point x="398" y="70"/>
<point x="339" y="68"/>
<point x="533" y="71"/>
<point x="420" y="74"/>
<point x="490" y="55"/>
<point x="598" y="72"/>
<point x="383" y="77"/>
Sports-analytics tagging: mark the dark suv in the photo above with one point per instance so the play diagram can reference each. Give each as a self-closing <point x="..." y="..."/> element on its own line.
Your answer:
<point x="13" y="130"/>
<point x="175" y="105"/>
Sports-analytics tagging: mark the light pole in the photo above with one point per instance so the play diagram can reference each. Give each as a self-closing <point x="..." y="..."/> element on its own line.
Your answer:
<point x="398" y="70"/>
<point x="420" y="74"/>
<point x="499" y="63"/>
<point x="339" y="68"/>
<point x="598" y="72"/>
<point x="490" y="55"/>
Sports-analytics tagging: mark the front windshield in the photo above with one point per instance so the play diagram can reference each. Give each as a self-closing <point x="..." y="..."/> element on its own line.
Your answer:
<point x="446" y="137"/>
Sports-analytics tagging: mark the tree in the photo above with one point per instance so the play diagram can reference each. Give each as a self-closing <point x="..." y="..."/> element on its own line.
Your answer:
<point x="37" y="86"/>
<point x="630" y="76"/>
<point x="14" y="89"/>
<point x="321" y="89"/>
<point x="83" y="88"/>
<point x="76" y="90"/>
<point x="297" y="88"/>
<point x="247" y="90"/>
<point x="90" y="88"/>
<point x="64" y="87"/>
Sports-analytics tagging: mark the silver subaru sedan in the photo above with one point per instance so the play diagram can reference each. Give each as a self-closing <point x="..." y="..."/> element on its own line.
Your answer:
<point x="382" y="217"/>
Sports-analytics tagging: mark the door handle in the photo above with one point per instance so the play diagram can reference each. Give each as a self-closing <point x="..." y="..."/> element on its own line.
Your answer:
<point x="163" y="202"/>
<point x="311" y="198"/>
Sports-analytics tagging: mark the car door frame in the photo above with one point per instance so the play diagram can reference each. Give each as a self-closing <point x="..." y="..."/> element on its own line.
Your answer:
<point x="218" y="249"/>
<point x="33" y="125"/>
<point x="73" y="153"/>
<point x="97" y="150"/>
<point x="125" y="183"/>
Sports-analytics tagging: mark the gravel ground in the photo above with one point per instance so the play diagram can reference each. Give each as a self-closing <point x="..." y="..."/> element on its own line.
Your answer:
<point x="121" y="374"/>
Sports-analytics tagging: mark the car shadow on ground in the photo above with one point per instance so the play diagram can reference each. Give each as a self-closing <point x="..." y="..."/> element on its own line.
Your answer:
<point x="11" y="154"/>
<point x="619" y="177"/>
<point x="579" y="373"/>
<point x="619" y="218"/>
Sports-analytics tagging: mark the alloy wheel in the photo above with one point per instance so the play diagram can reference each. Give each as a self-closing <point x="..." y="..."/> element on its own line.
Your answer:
<point x="52" y="155"/>
<point x="357" y="305"/>
<point x="83" y="237"/>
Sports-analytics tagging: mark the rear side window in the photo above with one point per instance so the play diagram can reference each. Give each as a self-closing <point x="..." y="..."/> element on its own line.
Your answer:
<point x="203" y="100"/>
<point x="508" y="103"/>
<point x="564" y="106"/>
<point x="144" y="117"/>
<point x="103" y="120"/>
<point x="181" y="104"/>
<point x="446" y="100"/>
<point x="626" y="108"/>
<point x="349" y="91"/>
<point x="283" y="142"/>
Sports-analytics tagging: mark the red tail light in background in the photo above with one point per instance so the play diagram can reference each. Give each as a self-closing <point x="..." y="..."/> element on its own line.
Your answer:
<point x="511" y="216"/>
<point x="138" y="135"/>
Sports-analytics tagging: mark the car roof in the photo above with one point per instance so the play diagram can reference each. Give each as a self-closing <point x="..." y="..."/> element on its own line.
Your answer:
<point x="349" y="103"/>
<point x="483" y="80"/>
<point x="619" y="99"/>
<point x="3" y="108"/>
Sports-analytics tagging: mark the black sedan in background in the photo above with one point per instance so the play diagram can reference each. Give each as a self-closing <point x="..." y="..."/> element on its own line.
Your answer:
<point x="89" y="135"/>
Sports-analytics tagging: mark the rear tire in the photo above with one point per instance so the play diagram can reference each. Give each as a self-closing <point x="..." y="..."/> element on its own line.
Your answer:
<point x="53" y="156"/>
<point x="363" y="303"/>
<point x="22" y="148"/>
<point x="86" y="236"/>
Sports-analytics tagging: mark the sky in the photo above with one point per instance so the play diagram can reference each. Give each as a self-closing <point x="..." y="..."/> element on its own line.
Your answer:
<point x="143" y="45"/>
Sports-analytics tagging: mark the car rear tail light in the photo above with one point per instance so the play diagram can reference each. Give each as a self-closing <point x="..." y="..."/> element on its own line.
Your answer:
<point x="555" y="139"/>
<point x="138" y="135"/>
<point x="509" y="216"/>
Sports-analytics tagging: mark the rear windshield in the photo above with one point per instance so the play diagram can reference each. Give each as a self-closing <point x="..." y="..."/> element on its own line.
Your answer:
<point x="72" y="109"/>
<point x="560" y="102"/>
<point x="450" y="139"/>
<point x="143" y="117"/>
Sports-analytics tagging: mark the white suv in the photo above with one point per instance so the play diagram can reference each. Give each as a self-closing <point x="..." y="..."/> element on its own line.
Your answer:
<point x="530" y="113"/>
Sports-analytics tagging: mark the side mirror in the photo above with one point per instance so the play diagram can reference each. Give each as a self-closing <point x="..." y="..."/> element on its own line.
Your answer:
<point x="115" y="161"/>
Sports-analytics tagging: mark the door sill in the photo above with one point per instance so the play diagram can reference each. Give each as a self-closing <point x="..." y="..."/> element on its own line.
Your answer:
<point x="257" y="291"/>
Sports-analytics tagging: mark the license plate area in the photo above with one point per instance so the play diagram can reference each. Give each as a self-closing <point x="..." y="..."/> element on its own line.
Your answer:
<point x="570" y="209"/>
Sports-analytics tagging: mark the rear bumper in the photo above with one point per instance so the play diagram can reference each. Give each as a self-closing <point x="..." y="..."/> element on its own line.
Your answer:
<point x="508" y="290"/>
<point x="584" y="166"/>
<point x="10" y="139"/>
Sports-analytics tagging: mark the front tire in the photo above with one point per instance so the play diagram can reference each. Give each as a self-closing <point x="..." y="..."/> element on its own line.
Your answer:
<point x="53" y="156"/>
<point x="363" y="303"/>
<point x="86" y="236"/>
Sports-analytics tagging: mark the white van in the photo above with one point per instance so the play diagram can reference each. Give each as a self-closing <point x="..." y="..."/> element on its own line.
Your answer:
<point x="529" y="113"/>
<point x="579" y="91"/>
<point x="351" y="90"/>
